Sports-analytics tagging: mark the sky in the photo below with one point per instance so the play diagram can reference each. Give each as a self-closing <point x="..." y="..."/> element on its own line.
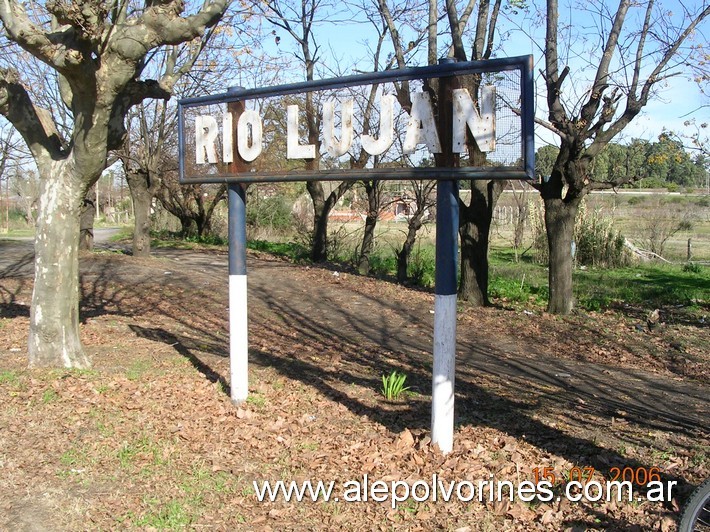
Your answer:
<point x="678" y="99"/>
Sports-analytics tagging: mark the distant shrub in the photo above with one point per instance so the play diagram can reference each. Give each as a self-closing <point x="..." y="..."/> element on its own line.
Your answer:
<point x="422" y="266"/>
<point x="635" y="200"/>
<point x="597" y="243"/>
<point x="692" y="267"/>
<point x="273" y="213"/>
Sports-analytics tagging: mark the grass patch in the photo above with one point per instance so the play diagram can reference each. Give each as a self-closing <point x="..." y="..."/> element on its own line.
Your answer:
<point x="141" y="451"/>
<point x="650" y="286"/>
<point x="290" y="250"/>
<point x="256" y="400"/>
<point x="182" y="511"/>
<point x="526" y="283"/>
<point x="136" y="370"/>
<point x="169" y="239"/>
<point x="8" y="377"/>
<point x="170" y="515"/>
<point x="49" y="396"/>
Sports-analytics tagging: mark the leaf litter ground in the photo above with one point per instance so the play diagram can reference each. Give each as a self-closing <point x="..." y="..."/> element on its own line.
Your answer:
<point x="149" y="439"/>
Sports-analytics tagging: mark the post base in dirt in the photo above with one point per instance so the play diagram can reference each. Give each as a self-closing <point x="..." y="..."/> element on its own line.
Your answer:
<point x="238" y="322"/>
<point x="442" y="397"/>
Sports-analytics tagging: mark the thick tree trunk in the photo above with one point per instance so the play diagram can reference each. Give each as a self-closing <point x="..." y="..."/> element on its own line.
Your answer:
<point x="474" y="264"/>
<point x="403" y="254"/>
<point x="474" y="230"/>
<point x="559" y="225"/>
<point x="142" y="225"/>
<point x="319" y="250"/>
<point x="368" y="237"/>
<point x="319" y="244"/>
<point x="88" y="213"/>
<point x="204" y="226"/>
<point x="54" y="316"/>
<point x="142" y="197"/>
<point x="368" y="243"/>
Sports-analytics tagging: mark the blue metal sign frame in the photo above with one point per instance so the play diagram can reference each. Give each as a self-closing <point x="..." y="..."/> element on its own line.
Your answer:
<point x="449" y="69"/>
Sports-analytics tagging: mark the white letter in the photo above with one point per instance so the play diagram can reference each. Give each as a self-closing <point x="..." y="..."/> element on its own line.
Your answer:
<point x="545" y="488"/>
<point x="425" y="496"/>
<point x="446" y="493"/>
<point x="655" y="491"/>
<point x="459" y="491"/>
<point x="352" y="492"/>
<point x="568" y="489"/>
<point x="483" y="127"/>
<point x="511" y="489"/>
<point x="399" y="498"/>
<point x="227" y="152"/>
<point x="336" y="149"/>
<point x="206" y="132"/>
<point x="294" y="150"/>
<point x="421" y="121"/>
<point x="588" y="491"/>
<point x="378" y="491"/>
<point x="249" y="149"/>
<point x="526" y="491"/>
<point x="620" y="490"/>
<point x="380" y="146"/>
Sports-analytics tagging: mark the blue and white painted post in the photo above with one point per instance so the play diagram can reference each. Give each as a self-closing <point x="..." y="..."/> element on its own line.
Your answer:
<point x="442" y="397"/>
<point x="238" y="318"/>
<point x="447" y="223"/>
<point x="238" y="321"/>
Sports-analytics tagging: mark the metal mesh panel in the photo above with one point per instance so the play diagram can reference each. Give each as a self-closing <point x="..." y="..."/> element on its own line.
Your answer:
<point x="353" y="144"/>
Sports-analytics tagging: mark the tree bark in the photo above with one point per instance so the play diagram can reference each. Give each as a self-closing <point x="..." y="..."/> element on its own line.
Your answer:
<point x="54" y="315"/>
<point x="474" y="230"/>
<point x="368" y="243"/>
<point x="368" y="238"/>
<point x="319" y="249"/>
<point x="142" y="196"/>
<point x="559" y="225"/>
<point x="415" y="224"/>
<point x="88" y="213"/>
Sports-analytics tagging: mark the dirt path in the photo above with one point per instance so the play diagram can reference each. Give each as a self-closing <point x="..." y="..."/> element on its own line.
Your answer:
<point x="589" y="390"/>
<point x="328" y="306"/>
<point x="340" y="308"/>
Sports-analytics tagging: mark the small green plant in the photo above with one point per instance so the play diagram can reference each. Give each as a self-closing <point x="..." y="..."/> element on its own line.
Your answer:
<point x="393" y="385"/>
<point x="256" y="400"/>
<point x="692" y="267"/>
<point x="49" y="396"/>
<point x="8" y="377"/>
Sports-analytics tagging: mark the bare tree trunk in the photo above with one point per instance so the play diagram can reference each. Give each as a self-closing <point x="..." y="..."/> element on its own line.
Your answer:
<point x="319" y="245"/>
<point x="372" y="189"/>
<point x="142" y="196"/>
<point x="54" y="315"/>
<point x="474" y="230"/>
<point x="559" y="225"/>
<point x="415" y="224"/>
<point x="88" y="213"/>
<point x="187" y="226"/>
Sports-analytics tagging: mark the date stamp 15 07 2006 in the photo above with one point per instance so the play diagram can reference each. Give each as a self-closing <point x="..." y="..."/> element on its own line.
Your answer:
<point x="581" y="482"/>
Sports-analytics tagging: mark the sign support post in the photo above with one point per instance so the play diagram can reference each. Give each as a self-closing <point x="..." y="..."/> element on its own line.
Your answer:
<point x="445" y="299"/>
<point x="442" y="394"/>
<point x="238" y="318"/>
<point x="238" y="322"/>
